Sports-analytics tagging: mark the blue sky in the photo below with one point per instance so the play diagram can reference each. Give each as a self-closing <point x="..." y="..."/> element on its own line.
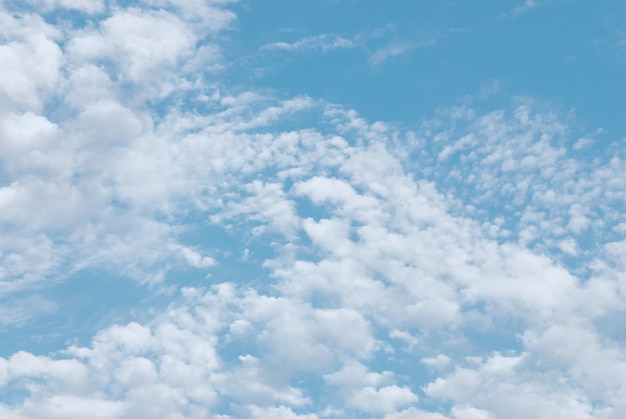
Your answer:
<point x="312" y="209"/>
<point x="564" y="51"/>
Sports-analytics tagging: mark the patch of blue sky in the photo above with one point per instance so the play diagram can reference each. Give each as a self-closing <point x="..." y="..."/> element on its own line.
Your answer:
<point x="75" y="19"/>
<point x="79" y="306"/>
<point x="66" y="18"/>
<point x="238" y="253"/>
<point x="431" y="54"/>
<point x="15" y="394"/>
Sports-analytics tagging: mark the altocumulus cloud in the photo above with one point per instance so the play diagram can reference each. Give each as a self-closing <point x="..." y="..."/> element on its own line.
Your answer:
<point x="472" y="267"/>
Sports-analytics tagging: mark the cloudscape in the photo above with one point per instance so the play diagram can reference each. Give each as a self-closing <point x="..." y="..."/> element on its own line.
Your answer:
<point x="312" y="209"/>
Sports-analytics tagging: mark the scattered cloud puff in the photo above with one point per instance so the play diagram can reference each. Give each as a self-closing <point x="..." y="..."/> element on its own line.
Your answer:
<point x="421" y="273"/>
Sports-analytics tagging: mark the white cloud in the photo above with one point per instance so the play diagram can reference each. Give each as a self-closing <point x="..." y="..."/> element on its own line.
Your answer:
<point x="142" y="43"/>
<point x="323" y="43"/>
<point x="438" y="362"/>
<point x="30" y="64"/>
<point x="525" y="7"/>
<point x="468" y="412"/>
<point x="24" y="132"/>
<point x="202" y="14"/>
<point x="373" y="393"/>
<point x="280" y="412"/>
<point x="389" y="51"/>
<point x="174" y="362"/>
<point x="365" y="42"/>
<point x="267" y="203"/>
<point x="93" y="155"/>
<point x="414" y="413"/>
<point x="195" y="259"/>
<point x="109" y="122"/>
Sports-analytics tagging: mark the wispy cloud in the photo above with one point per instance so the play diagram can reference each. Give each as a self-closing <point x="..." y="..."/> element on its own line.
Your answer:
<point x="323" y="43"/>
<point x="396" y="49"/>
<point x="528" y="6"/>
<point x="389" y="51"/>
<point x="394" y="45"/>
<point x="387" y="42"/>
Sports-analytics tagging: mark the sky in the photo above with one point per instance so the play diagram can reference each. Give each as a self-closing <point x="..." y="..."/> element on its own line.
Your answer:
<point x="313" y="209"/>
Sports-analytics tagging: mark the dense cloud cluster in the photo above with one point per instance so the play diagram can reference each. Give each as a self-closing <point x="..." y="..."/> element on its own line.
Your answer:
<point x="471" y="267"/>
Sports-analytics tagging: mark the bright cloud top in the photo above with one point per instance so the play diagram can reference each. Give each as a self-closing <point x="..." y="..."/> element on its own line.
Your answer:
<point x="470" y="266"/>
